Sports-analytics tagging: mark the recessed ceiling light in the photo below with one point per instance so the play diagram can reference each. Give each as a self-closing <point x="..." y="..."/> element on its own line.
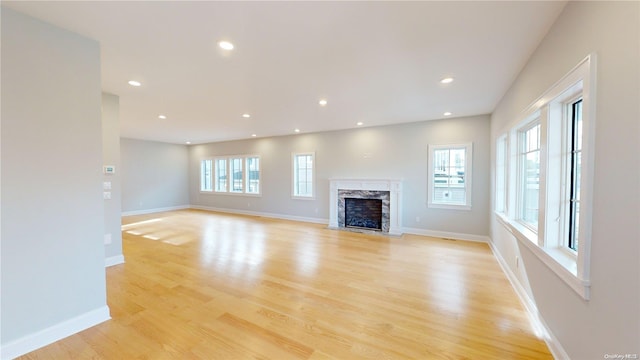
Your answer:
<point x="323" y="102"/>
<point x="188" y="142"/>
<point x="134" y="83"/>
<point x="447" y="80"/>
<point x="226" y="45"/>
<point x="246" y="116"/>
<point x="359" y="123"/>
<point x="162" y="117"/>
<point x="296" y="130"/>
<point x="447" y="113"/>
<point x="253" y="135"/>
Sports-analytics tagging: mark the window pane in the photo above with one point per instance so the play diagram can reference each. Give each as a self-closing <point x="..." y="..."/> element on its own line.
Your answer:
<point x="221" y="175"/>
<point x="529" y="183"/>
<point x="449" y="185"/>
<point x="253" y="175"/>
<point x="205" y="175"/>
<point x="303" y="175"/>
<point x="236" y="174"/>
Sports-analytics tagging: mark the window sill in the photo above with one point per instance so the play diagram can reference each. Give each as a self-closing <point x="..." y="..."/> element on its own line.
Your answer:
<point x="449" y="206"/>
<point x="559" y="261"/>
<point x="303" y="197"/>
<point x="229" y="193"/>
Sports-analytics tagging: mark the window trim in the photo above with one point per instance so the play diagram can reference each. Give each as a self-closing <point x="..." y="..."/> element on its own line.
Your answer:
<point x="572" y="269"/>
<point x="468" y="175"/>
<point x="211" y="175"/>
<point x="313" y="176"/>
<point x="501" y="205"/>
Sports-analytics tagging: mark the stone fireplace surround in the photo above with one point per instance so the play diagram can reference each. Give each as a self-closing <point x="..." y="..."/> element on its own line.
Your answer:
<point x="389" y="190"/>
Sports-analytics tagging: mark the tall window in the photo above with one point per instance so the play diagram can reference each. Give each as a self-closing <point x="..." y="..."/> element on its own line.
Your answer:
<point x="237" y="176"/>
<point x="529" y="184"/>
<point x="450" y="176"/>
<point x="253" y="175"/>
<point x="501" y="175"/>
<point x="303" y="175"/>
<point x="221" y="175"/>
<point x="205" y="175"/>
<point x="553" y="176"/>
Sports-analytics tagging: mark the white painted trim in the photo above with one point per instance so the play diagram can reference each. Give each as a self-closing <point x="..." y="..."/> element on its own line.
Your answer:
<point x="447" y="235"/>
<point x="540" y="327"/>
<point x="54" y="333"/>
<point x="156" y="210"/>
<point x="263" y="214"/>
<point x="114" y="260"/>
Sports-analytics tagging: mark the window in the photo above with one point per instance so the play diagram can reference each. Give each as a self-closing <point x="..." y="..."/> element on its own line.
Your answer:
<point x="450" y="176"/>
<point x="303" y="174"/>
<point x="253" y="175"/>
<point x="231" y="175"/>
<point x="553" y="176"/>
<point x="221" y="175"/>
<point x="237" y="175"/>
<point x="205" y="175"/>
<point x="529" y="179"/>
<point x="501" y="175"/>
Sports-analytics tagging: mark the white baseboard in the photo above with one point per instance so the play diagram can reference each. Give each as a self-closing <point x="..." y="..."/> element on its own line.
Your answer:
<point x="539" y="325"/>
<point x="114" y="260"/>
<point x="54" y="333"/>
<point x="156" y="210"/>
<point x="263" y="214"/>
<point x="447" y="235"/>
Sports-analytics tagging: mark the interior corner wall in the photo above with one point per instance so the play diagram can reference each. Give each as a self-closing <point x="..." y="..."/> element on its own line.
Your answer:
<point x="608" y="323"/>
<point x="52" y="260"/>
<point x="155" y="176"/>
<point x="383" y="152"/>
<point x="111" y="156"/>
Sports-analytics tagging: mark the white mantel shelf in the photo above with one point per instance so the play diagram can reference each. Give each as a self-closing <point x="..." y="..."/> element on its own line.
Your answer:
<point x="393" y="186"/>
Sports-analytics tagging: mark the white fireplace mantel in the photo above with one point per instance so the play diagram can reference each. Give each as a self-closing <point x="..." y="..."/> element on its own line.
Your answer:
<point x="393" y="186"/>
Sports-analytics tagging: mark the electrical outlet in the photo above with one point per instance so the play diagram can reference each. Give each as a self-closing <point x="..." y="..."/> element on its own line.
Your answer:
<point x="106" y="195"/>
<point x="107" y="239"/>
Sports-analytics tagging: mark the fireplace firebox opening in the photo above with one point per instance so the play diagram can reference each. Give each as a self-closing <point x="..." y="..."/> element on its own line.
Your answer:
<point x="363" y="213"/>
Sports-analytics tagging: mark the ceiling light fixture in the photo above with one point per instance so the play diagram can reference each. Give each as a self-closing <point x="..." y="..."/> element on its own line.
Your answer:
<point x="296" y="130"/>
<point x="323" y="102"/>
<point x="359" y="123"/>
<point x="188" y="142"/>
<point x="253" y="135"/>
<point x="162" y="117"/>
<point x="246" y="116"/>
<point x="447" y="113"/>
<point x="447" y="80"/>
<point x="134" y="83"/>
<point x="225" y="45"/>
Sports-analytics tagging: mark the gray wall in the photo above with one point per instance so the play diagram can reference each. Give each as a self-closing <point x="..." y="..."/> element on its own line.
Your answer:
<point x="398" y="151"/>
<point x="609" y="323"/>
<point x="52" y="208"/>
<point x="111" y="156"/>
<point x="154" y="175"/>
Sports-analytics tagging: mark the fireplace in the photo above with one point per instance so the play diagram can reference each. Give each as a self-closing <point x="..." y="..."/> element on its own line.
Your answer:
<point x="380" y="198"/>
<point x="363" y="213"/>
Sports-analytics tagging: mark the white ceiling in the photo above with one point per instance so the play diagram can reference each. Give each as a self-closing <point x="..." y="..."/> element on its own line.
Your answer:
<point x="375" y="62"/>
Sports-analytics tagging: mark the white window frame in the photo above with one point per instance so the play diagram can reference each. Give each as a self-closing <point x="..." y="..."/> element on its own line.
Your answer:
<point x="216" y="171"/>
<point x="468" y="177"/>
<point x="231" y="174"/>
<point x="206" y="177"/>
<point x="248" y="182"/>
<point x="228" y="189"/>
<point x="521" y="178"/>
<point x="549" y="243"/>
<point x="294" y="176"/>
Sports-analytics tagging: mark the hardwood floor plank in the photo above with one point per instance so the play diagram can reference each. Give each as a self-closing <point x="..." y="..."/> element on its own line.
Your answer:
<point x="206" y="285"/>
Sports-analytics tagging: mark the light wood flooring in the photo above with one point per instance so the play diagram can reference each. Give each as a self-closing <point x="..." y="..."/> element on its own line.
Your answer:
<point x="204" y="285"/>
